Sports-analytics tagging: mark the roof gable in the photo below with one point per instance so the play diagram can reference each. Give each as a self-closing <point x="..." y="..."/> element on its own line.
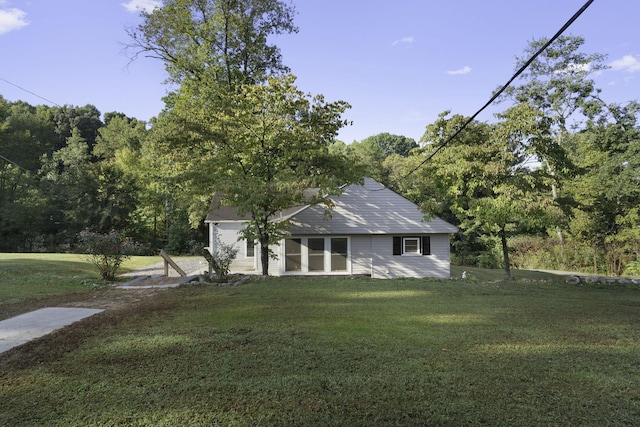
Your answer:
<point x="219" y="212"/>
<point x="371" y="208"/>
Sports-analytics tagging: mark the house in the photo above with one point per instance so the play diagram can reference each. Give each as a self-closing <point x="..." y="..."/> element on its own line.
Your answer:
<point x="372" y="231"/>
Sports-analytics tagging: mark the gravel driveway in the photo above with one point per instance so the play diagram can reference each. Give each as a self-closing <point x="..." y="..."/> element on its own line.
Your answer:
<point x="190" y="265"/>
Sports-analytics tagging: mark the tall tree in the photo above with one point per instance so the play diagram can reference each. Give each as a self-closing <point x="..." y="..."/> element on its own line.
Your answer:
<point x="85" y="119"/>
<point x="263" y="149"/>
<point x="559" y="84"/>
<point x="607" y="193"/>
<point x="483" y="176"/>
<point x="373" y="150"/>
<point x="236" y="123"/>
<point x="227" y="40"/>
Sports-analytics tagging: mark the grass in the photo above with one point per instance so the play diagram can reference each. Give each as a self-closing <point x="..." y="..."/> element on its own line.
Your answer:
<point x="25" y="276"/>
<point x="328" y="351"/>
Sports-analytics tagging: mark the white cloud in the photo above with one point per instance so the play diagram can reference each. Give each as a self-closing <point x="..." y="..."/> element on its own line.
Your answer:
<point x="135" y="6"/>
<point x="404" y="40"/>
<point x="627" y="63"/>
<point x="464" y="70"/>
<point x="574" y="69"/>
<point x="12" y="19"/>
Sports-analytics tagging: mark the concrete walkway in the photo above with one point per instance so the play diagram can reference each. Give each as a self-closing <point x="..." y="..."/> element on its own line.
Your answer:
<point x="25" y="327"/>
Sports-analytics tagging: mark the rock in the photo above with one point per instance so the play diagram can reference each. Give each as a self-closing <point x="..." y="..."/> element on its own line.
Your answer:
<point x="573" y="280"/>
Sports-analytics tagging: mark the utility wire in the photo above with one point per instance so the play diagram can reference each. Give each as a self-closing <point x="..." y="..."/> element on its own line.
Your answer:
<point x="13" y="163"/>
<point x="32" y="93"/>
<point x="498" y="93"/>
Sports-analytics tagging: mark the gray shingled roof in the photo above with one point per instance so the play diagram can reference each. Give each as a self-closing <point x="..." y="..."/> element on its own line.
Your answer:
<point x="371" y="208"/>
<point x="360" y="209"/>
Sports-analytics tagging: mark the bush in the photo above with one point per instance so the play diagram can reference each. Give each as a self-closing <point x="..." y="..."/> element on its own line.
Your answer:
<point x="633" y="268"/>
<point x="107" y="251"/>
<point x="220" y="261"/>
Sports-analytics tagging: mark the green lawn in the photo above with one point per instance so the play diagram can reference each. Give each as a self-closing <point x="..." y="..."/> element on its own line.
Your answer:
<point x="341" y="352"/>
<point x="25" y="276"/>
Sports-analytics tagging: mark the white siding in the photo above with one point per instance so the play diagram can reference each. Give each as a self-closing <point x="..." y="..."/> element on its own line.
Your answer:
<point x="275" y="269"/>
<point x="228" y="233"/>
<point x="387" y="266"/>
<point x="361" y="254"/>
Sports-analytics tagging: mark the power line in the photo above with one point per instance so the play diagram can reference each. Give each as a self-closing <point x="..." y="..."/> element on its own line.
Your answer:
<point x="32" y="93"/>
<point x="13" y="163"/>
<point x="499" y="92"/>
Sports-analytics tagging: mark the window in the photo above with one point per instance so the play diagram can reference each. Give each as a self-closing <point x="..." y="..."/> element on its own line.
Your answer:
<point x="250" y="252"/>
<point x="339" y="249"/>
<point x="316" y="254"/>
<point x="412" y="245"/>
<point x="293" y="254"/>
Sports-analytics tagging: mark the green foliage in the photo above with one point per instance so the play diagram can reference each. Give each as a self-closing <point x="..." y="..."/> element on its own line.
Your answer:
<point x="221" y="259"/>
<point x="373" y="151"/>
<point x="106" y="251"/>
<point x="606" y="193"/>
<point x="215" y="40"/>
<point x="558" y="82"/>
<point x="262" y="148"/>
<point x="633" y="269"/>
<point x="482" y="176"/>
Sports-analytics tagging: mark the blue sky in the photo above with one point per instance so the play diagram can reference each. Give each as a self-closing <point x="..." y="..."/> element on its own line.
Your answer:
<point x="399" y="64"/>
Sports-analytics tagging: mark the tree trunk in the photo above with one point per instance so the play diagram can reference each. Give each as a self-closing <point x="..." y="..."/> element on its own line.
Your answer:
<point x="505" y="254"/>
<point x="554" y="195"/>
<point x="264" y="255"/>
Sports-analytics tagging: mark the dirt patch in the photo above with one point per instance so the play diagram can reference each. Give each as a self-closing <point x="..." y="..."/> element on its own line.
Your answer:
<point x="107" y="298"/>
<point x="114" y="298"/>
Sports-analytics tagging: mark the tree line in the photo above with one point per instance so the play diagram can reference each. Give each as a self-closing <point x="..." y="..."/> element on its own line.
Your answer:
<point x="553" y="182"/>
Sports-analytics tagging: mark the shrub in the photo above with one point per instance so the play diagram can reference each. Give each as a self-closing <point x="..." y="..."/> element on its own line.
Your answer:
<point x="220" y="261"/>
<point x="107" y="251"/>
<point x="633" y="268"/>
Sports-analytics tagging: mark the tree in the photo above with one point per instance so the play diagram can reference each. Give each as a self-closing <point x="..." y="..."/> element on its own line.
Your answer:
<point x="119" y="133"/>
<point x="607" y="192"/>
<point x="86" y="120"/>
<point x="483" y="176"/>
<point x="558" y="84"/>
<point x="373" y="150"/>
<point x="236" y="123"/>
<point x="225" y="40"/>
<point x="263" y="149"/>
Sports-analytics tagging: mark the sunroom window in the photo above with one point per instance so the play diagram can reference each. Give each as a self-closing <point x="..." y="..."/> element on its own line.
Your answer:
<point x="339" y="253"/>
<point x="293" y="254"/>
<point x="317" y="254"/>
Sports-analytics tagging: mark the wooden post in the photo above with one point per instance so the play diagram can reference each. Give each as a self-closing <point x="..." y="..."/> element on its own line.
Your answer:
<point x="213" y="265"/>
<point x="169" y="262"/>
